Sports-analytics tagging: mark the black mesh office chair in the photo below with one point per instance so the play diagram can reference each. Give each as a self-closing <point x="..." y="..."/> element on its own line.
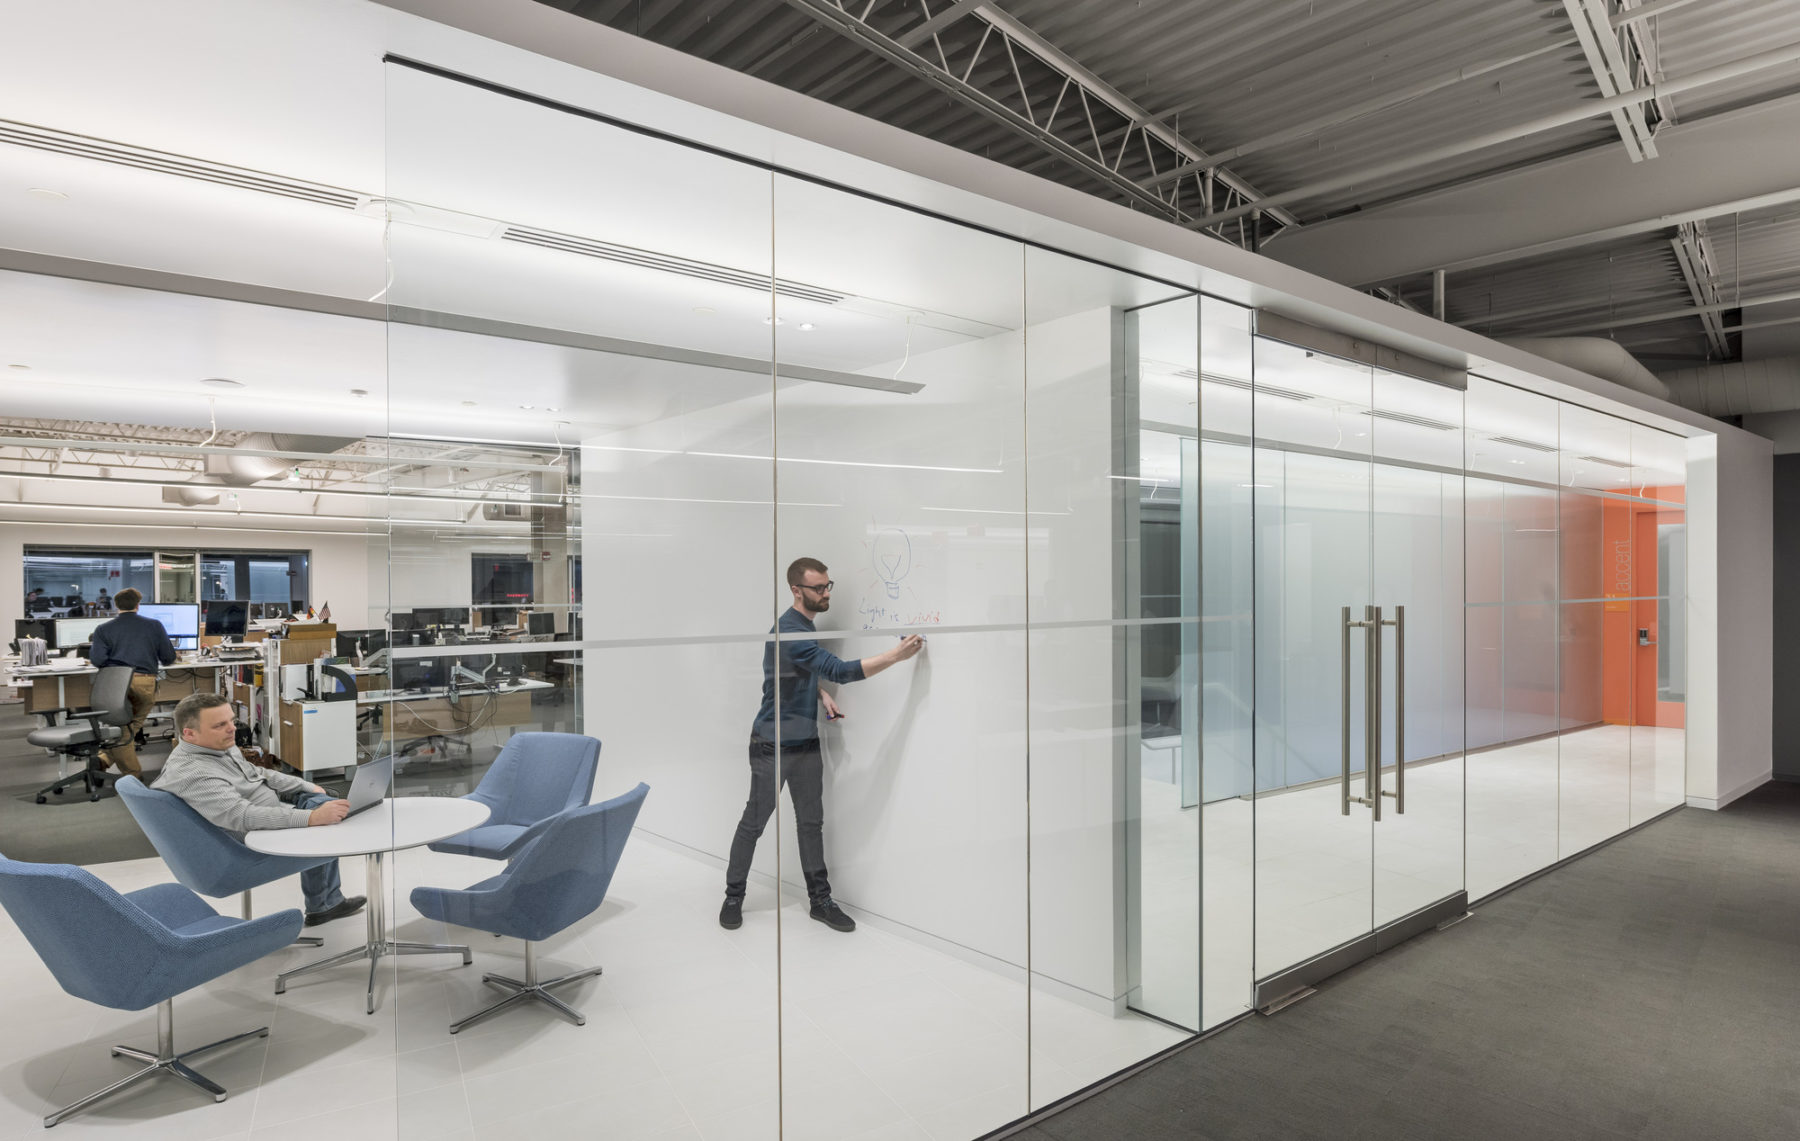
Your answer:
<point x="84" y="732"/>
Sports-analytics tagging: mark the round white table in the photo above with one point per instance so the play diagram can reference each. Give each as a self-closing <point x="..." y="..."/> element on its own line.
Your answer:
<point x="395" y="823"/>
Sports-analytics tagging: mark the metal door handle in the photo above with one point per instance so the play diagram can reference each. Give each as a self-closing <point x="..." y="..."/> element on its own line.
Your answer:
<point x="1399" y="793"/>
<point x="1371" y="625"/>
<point x="1372" y="719"/>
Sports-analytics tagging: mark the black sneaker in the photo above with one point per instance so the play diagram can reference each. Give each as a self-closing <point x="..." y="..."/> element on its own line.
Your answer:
<point x="832" y="916"/>
<point x="731" y="916"/>
<point x="350" y="906"/>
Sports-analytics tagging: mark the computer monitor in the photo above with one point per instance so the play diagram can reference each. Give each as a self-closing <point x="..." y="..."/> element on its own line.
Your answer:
<point x="180" y="619"/>
<point x="501" y="616"/>
<point x="402" y="620"/>
<point x="274" y="610"/>
<point x="225" y="618"/>
<point x="44" y="628"/>
<point x="349" y="642"/>
<point x="374" y="641"/>
<point x="425" y="617"/>
<point x="297" y="606"/>
<point x="75" y="631"/>
<point x="455" y="615"/>
<point x="540" y="622"/>
<point x="414" y="673"/>
<point x="476" y="663"/>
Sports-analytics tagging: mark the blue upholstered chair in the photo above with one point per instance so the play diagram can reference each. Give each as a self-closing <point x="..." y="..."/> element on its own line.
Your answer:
<point x="535" y="776"/>
<point x="558" y="878"/>
<point x="133" y="951"/>
<point x="204" y="857"/>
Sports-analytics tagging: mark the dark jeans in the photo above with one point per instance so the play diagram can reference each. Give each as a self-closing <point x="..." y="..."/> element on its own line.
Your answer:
<point x="320" y="884"/>
<point x="804" y="774"/>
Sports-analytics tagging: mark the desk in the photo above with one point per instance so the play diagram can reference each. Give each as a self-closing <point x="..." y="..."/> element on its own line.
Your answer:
<point x="430" y="714"/>
<point x="71" y="689"/>
<point x="395" y="823"/>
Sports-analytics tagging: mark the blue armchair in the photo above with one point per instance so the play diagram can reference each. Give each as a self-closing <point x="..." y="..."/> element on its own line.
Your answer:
<point x="536" y="776"/>
<point x="559" y="877"/>
<point x="203" y="857"/>
<point x="169" y="938"/>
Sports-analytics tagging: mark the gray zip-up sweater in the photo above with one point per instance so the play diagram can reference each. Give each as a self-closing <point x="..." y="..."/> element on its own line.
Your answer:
<point x="231" y="792"/>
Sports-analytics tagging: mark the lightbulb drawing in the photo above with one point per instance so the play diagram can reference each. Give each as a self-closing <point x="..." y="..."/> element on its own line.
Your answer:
<point x="892" y="556"/>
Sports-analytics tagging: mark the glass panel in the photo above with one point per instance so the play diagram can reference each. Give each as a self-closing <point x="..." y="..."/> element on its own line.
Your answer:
<point x="579" y="367"/>
<point x="1511" y="635"/>
<point x="177" y="574"/>
<point x="1088" y="479"/>
<point x="1599" y="585"/>
<point x="1418" y="565"/>
<point x="1659" y="683"/>
<point x="1313" y="555"/>
<point x="1163" y="849"/>
<point x="1228" y="665"/>
<point x="900" y="444"/>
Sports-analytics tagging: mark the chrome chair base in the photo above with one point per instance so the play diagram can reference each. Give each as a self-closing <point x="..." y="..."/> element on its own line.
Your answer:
<point x="164" y="1061"/>
<point x="529" y="989"/>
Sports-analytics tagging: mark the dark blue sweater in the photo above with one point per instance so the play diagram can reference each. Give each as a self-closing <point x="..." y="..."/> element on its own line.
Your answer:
<point x="804" y="664"/>
<point x="132" y="640"/>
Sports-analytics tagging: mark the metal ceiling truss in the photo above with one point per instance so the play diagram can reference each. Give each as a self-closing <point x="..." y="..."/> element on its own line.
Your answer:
<point x="1617" y="67"/>
<point x="1693" y="250"/>
<point x="1009" y="76"/>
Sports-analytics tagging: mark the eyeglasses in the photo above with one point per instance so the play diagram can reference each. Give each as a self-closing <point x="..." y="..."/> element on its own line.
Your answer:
<point x="824" y="589"/>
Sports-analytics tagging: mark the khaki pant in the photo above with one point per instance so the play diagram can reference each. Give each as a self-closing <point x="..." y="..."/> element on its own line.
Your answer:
<point x="142" y="696"/>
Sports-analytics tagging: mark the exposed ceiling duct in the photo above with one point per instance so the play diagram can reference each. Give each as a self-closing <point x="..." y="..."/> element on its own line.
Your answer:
<point x="1595" y="356"/>
<point x="231" y="469"/>
<point x="1737" y="388"/>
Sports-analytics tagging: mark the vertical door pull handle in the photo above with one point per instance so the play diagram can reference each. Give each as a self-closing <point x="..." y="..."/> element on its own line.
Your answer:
<point x="1344" y="713"/>
<point x="1399" y="793"/>
<point x="1372" y="718"/>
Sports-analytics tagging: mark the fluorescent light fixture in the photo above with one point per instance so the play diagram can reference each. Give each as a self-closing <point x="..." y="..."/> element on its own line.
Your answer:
<point x="791" y="459"/>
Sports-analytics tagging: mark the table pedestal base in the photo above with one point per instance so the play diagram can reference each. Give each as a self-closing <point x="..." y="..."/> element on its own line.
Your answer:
<point x="377" y="944"/>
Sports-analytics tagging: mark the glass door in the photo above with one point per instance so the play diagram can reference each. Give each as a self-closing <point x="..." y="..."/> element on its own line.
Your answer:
<point x="1358" y="494"/>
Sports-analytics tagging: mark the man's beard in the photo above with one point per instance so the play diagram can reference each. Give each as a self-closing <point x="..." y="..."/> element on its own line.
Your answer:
<point x="821" y="606"/>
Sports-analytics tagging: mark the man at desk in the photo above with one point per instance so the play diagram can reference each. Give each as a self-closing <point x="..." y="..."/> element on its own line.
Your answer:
<point x="141" y="643"/>
<point x="803" y="664"/>
<point x="209" y="771"/>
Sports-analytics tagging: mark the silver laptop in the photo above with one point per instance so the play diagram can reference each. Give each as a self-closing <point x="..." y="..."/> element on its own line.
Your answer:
<point x="370" y="787"/>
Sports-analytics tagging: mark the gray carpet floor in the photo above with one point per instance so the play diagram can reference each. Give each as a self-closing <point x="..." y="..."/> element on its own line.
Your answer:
<point x="1650" y="990"/>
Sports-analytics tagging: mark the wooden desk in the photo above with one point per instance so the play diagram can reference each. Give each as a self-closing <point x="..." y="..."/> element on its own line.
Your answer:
<point x="71" y="689"/>
<point x="431" y="714"/>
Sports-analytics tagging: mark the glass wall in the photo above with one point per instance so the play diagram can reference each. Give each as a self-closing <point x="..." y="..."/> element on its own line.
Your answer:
<point x="1576" y="556"/>
<point x="1053" y="754"/>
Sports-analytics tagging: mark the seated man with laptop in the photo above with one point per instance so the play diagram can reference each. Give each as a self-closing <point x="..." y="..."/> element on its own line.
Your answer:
<point x="209" y="772"/>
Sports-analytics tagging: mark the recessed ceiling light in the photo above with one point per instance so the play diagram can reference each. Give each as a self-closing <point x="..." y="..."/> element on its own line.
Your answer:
<point x="548" y="408"/>
<point x="527" y="407"/>
<point x="359" y="393"/>
<point x="1515" y="461"/>
<point x="773" y="321"/>
<point x="223" y="382"/>
<point x="468" y="404"/>
<point x="807" y="326"/>
<point x="46" y="192"/>
<point x="704" y="310"/>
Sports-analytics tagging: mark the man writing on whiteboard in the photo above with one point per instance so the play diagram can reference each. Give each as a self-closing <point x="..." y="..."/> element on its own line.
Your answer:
<point x="784" y="742"/>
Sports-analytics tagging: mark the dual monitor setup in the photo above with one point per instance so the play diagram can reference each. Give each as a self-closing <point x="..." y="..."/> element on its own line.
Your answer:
<point x="181" y="620"/>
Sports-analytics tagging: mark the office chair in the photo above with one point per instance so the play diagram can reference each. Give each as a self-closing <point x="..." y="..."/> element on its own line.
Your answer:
<point x="85" y="732"/>
<point x="536" y="776"/>
<point x="133" y="951"/>
<point x="559" y="877"/>
<point x="203" y="857"/>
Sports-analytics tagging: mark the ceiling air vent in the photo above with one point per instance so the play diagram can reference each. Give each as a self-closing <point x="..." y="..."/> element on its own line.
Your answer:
<point x="1518" y="443"/>
<point x="649" y="259"/>
<point x="1408" y="418"/>
<point x="182" y="166"/>
<point x="1245" y="386"/>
